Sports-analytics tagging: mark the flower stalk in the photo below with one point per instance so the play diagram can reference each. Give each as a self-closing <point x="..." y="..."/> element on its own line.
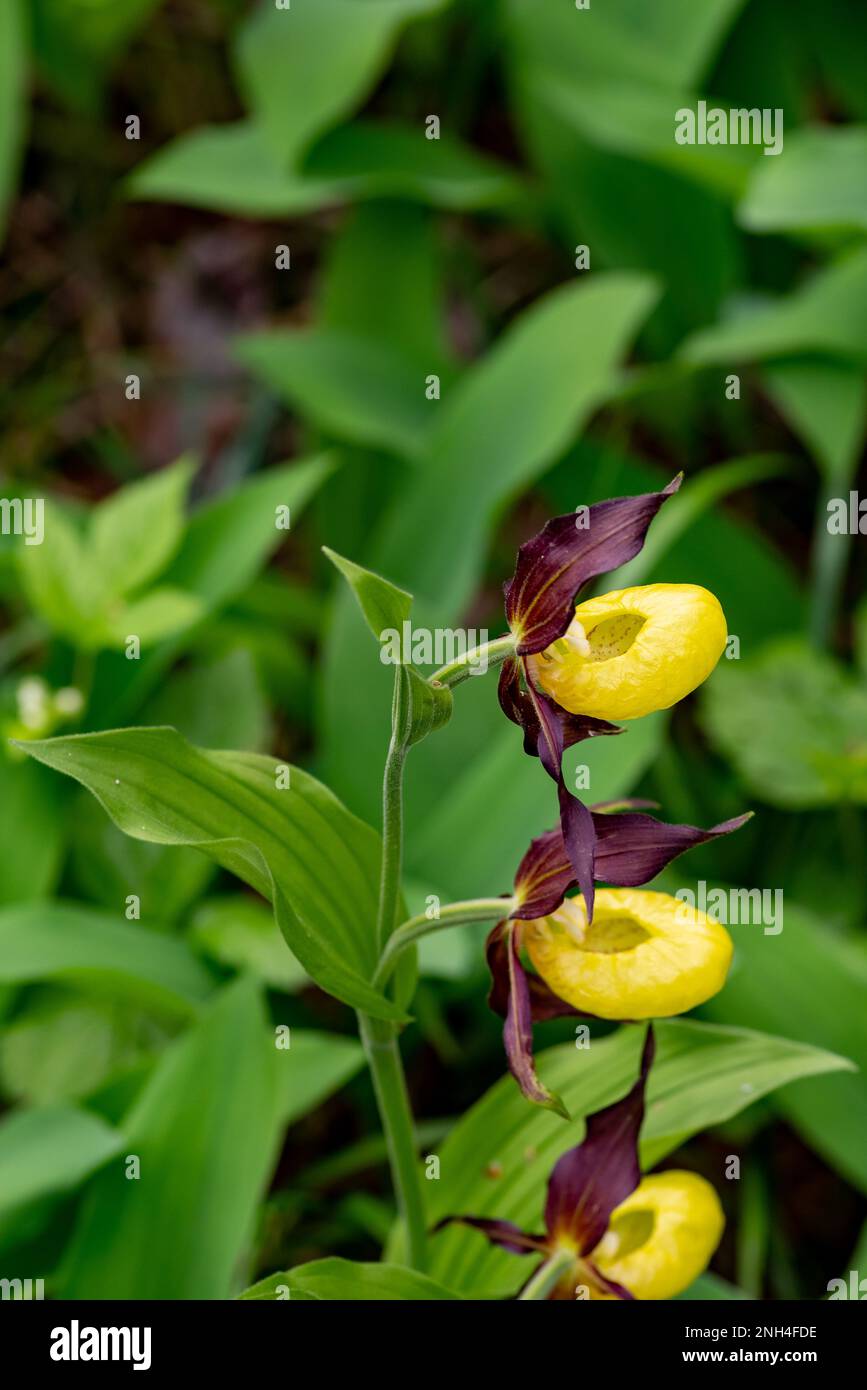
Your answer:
<point x="455" y="914"/>
<point x="481" y="658"/>
<point x="548" y="1276"/>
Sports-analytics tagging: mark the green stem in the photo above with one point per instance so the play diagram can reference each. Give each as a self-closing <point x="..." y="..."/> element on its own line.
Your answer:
<point x="389" y="1084"/>
<point x="473" y="910"/>
<point x="392" y="841"/>
<point x="548" y="1275"/>
<point x="480" y="658"/>
<point x="379" y="1037"/>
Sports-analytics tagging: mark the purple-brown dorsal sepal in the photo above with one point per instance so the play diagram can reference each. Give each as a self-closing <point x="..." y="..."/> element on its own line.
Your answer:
<point x="569" y="551"/>
<point x="504" y="1233"/>
<point x="510" y="997"/>
<point x="590" y="1181"/>
<point x="630" y="849"/>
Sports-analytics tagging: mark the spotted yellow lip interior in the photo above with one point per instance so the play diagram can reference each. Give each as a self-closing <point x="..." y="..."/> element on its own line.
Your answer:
<point x="613" y="636"/>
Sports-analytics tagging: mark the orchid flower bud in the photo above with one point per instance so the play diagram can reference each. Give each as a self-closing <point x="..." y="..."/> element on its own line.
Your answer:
<point x="633" y="651"/>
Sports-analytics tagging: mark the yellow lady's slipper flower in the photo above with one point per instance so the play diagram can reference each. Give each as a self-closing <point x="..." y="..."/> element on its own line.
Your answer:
<point x="633" y="651"/>
<point x="609" y="1233"/>
<point x="645" y="955"/>
<point x="662" y="1237"/>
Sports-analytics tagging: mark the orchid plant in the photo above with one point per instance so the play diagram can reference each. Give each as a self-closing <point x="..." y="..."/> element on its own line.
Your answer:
<point x="570" y="667"/>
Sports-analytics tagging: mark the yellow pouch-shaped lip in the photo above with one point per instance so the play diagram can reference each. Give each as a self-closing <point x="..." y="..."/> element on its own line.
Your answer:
<point x="646" y="955"/>
<point x="633" y="651"/>
<point x="662" y="1237"/>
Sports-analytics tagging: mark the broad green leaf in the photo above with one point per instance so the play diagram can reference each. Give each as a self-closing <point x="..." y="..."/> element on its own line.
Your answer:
<point x="204" y="1130"/>
<point x="511" y="416"/>
<point x="62" y="1047"/>
<point x="157" y="615"/>
<point x="13" y="99"/>
<point x="301" y="70"/>
<point x="383" y="277"/>
<point x="594" y="97"/>
<point x="229" y="539"/>
<point x="296" y="844"/>
<point x="710" y="1288"/>
<point x="497" y="1159"/>
<point x="239" y="931"/>
<point x="639" y="121"/>
<point x="827" y="315"/>
<point x="347" y="1281"/>
<point x="50" y="1150"/>
<point x="230" y="169"/>
<point x="383" y="604"/>
<point x="825" y="404"/>
<point x="76" y="577"/>
<point x="793" y="723"/>
<point x="108" y="864"/>
<point x="817" y="182"/>
<point x="33" y="818"/>
<point x="352" y="386"/>
<point x="83" y="945"/>
<point x="311" y="1068"/>
<point x="670" y="42"/>
<point x="239" y="719"/>
<point x="233" y="169"/>
<point x="810" y="982"/>
<point x="135" y="532"/>
<point x="61" y="580"/>
<point x="373" y="159"/>
<point x="226" y="543"/>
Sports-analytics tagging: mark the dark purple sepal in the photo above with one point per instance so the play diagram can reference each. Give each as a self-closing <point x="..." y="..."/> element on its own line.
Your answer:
<point x="544" y="877"/>
<point x="504" y="1233"/>
<point x="544" y="1003"/>
<point x="579" y="836"/>
<point x="510" y="997"/>
<point x="631" y="848"/>
<point x="589" y="1181"/>
<point x="548" y="732"/>
<point x="518" y="704"/>
<point x="561" y="559"/>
